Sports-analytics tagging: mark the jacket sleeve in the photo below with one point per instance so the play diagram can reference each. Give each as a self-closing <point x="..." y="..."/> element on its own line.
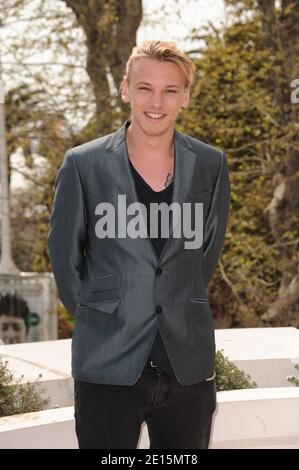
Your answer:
<point x="216" y="223"/>
<point x="67" y="233"/>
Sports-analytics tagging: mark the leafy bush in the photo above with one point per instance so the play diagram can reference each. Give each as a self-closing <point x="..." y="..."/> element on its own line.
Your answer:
<point x="229" y="376"/>
<point x="293" y="379"/>
<point x="65" y="322"/>
<point x="17" y="398"/>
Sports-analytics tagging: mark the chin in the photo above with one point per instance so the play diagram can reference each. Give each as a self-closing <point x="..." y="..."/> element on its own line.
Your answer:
<point x="156" y="129"/>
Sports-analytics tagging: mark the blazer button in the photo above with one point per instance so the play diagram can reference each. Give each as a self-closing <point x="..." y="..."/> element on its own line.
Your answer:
<point x="158" y="271"/>
<point x="159" y="309"/>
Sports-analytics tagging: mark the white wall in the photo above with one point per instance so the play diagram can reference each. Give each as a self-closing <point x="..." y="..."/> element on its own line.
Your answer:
<point x="254" y="418"/>
<point x="267" y="417"/>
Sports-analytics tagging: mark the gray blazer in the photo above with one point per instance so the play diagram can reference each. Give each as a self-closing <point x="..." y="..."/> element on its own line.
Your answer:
<point x="117" y="289"/>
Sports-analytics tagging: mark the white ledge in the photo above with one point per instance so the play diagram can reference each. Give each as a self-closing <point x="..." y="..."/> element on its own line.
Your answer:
<point x="266" y="417"/>
<point x="253" y="418"/>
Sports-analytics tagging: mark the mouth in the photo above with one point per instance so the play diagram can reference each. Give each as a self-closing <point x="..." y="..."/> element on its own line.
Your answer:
<point x="155" y="116"/>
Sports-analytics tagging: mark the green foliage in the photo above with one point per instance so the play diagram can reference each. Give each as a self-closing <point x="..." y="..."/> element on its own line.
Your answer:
<point x="233" y="108"/>
<point x="15" y="397"/>
<point x="229" y="376"/>
<point x="293" y="379"/>
<point x="66" y="323"/>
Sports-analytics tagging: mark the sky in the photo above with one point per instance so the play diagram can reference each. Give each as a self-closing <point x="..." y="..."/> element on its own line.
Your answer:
<point x="194" y="14"/>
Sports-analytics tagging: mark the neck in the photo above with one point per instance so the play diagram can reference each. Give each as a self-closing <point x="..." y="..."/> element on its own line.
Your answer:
<point x="150" y="146"/>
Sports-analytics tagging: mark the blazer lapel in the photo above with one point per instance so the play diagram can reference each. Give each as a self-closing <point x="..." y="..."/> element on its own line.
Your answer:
<point x="119" y="165"/>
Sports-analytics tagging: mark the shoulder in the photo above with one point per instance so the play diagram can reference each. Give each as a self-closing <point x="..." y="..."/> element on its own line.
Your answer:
<point x="91" y="148"/>
<point x="206" y="153"/>
<point x="200" y="147"/>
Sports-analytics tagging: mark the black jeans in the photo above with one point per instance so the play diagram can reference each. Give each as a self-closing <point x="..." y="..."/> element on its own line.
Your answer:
<point x="177" y="416"/>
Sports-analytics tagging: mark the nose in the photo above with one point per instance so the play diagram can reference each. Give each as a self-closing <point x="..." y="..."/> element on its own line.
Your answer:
<point x="157" y="100"/>
<point x="9" y="337"/>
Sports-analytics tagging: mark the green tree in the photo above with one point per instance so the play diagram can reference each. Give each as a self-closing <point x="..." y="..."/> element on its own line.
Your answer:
<point x="235" y="107"/>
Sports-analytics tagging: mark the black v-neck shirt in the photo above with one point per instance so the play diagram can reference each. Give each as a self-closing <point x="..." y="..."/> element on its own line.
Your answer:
<point x="147" y="195"/>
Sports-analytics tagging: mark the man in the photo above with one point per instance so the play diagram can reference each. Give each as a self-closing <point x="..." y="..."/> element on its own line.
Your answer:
<point x="143" y="348"/>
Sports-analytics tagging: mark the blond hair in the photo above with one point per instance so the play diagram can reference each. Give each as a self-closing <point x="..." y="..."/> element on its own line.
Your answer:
<point x="164" y="51"/>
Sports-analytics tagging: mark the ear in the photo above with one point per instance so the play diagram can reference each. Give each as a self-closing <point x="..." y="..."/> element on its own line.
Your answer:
<point x="186" y="98"/>
<point x="124" y="90"/>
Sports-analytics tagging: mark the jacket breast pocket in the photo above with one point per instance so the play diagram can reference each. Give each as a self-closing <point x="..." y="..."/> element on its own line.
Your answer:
<point x="201" y="192"/>
<point x="199" y="299"/>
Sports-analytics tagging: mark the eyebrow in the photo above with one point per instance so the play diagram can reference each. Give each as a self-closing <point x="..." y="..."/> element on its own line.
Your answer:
<point x="167" y="86"/>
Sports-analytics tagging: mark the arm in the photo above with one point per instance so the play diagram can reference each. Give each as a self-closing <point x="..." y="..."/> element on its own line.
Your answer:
<point x="67" y="234"/>
<point x="216" y="223"/>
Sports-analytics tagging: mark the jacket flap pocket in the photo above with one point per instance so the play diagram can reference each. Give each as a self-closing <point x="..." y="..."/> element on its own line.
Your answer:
<point x="108" y="306"/>
<point x="99" y="283"/>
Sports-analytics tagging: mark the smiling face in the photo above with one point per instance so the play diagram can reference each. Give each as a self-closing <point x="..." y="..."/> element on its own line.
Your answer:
<point x="156" y="92"/>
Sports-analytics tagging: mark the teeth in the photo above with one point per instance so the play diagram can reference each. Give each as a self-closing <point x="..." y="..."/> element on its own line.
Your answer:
<point x="154" y="116"/>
